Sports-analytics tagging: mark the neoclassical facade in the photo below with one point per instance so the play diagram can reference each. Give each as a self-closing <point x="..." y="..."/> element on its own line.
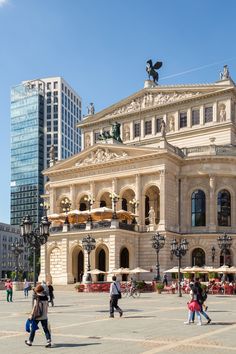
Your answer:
<point x="174" y="170"/>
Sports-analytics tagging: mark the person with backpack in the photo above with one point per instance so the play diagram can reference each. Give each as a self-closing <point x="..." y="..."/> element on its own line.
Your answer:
<point x="39" y="313"/>
<point x="115" y="295"/>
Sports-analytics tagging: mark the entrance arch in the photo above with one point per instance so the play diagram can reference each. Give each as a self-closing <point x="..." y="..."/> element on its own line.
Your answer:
<point x="124" y="261"/>
<point x="78" y="264"/>
<point x="101" y="260"/>
<point x="198" y="257"/>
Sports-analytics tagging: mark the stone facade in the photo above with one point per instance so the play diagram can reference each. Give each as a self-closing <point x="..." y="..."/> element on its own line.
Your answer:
<point x="177" y="178"/>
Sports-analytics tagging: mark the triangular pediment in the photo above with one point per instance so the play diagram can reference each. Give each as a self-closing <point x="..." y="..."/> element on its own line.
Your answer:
<point x="151" y="98"/>
<point x="99" y="154"/>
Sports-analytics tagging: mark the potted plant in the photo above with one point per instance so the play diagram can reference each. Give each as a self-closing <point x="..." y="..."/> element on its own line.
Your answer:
<point x="159" y="287"/>
<point x="77" y="287"/>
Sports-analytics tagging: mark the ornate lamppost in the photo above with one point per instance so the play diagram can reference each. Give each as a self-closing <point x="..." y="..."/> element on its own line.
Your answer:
<point x="17" y="248"/>
<point x="34" y="238"/>
<point x="213" y="253"/>
<point x="66" y="204"/>
<point x="114" y="197"/>
<point x="88" y="244"/>
<point x="158" y="242"/>
<point x="224" y="243"/>
<point x="179" y="249"/>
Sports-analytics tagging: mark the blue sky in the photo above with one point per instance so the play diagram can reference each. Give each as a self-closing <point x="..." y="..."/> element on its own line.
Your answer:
<point x="101" y="46"/>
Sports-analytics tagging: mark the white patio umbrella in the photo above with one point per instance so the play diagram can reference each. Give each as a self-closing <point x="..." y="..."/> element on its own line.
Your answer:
<point x="174" y="270"/>
<point x="120" y="271"/>
<point x="224" y="269"/>
<point x="96" y="271"/>
<point x="138" y="270"/>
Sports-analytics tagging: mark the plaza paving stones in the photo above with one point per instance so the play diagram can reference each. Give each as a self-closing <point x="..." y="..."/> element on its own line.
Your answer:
<point x="151" y="324"/>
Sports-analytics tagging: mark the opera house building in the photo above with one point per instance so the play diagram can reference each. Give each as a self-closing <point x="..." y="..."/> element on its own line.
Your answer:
<point x="161" y="160"/>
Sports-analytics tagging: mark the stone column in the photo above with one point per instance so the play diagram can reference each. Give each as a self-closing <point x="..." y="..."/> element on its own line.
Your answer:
<point x="52" y="200"/>
<point x="65" y="277"/>
<point x="44" y="267"/>
<point x="215" y="112"/>
<point x="142" y="133"/>
<point x="189" y="123"/>
<point x="72" y="196"/>
<point x="131" y="131"/>
<point x="113" y="255"/>
<point x="201" y="113"/>
<point x="162" y="222"/>
<point x="212" y="204"/>
<point x="139" y="208"/>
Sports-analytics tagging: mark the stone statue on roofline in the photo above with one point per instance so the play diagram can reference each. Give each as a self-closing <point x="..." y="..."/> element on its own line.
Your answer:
<point x="91" y="109"/>
<point x="224" y="75"/>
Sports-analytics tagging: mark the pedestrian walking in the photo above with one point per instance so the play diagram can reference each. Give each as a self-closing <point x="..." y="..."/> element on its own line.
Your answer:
<point x="115" y="295"/>
<point x="39" y="313"/>
<point x="201" y="297"/>
<point x="165" y="280"/>
<point x="193" y="307"/>
<point x="9" y="290"/>
<point x="50" y="293"/>
<point x="26" y="288"/>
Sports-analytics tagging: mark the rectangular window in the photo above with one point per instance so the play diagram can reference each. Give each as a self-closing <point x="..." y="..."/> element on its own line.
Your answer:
<point x="49" y="85"/>
<point x="195" y="116"/>
<point x="158" y="125"/>
<point x="183" y="119"/>
<point x="96" y="135"/>
<point x="148" y="127"/>
<point x="208" y="114"/>
<point x="136" y="130"/>
<point x="55" y="85"/>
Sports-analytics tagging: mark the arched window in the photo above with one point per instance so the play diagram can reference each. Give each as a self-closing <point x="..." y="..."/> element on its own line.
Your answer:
<point x="198" y="208"/>
<point x="82" y="207"/>
<point x="225" y="258"/>
<point x="101" y="264"/>
<point x="124" y="204"/>
<point x="103" y="204"/>
<point x="198" y="257"/>
<point x="224" y="208"/>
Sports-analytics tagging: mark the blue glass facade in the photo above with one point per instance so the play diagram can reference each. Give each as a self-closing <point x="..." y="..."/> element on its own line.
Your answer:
<point x="27" y="152"/>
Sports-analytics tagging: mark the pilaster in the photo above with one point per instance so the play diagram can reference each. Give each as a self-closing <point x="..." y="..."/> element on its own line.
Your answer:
<point x="212" y="204"/>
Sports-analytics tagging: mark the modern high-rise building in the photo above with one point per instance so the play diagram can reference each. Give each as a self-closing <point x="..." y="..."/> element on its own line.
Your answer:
<point x="44" y="112"/>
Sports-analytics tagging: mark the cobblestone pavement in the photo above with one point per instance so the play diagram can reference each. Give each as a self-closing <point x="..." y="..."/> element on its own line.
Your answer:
<point x="151" y="324"/>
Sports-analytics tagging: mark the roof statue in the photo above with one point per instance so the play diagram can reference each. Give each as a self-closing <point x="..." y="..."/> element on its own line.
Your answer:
<point x="224" y="75"/>
<point x="115" y="133"/>
<point x="151" y="69"/>
<point x="91" y="109"/>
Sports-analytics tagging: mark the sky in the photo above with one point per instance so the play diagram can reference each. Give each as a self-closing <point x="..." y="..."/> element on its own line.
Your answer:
<point x="100" y="47"/>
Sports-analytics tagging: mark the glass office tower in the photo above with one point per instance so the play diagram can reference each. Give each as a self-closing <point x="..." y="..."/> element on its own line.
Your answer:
<point x="27" y="152"/>
<point x="44" y="112"/>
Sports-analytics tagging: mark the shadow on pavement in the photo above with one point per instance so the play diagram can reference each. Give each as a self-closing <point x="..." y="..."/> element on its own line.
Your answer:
<point x="72" y="345"/>
<point x="139" y="316"/>
<point x="125" y="310"/>
<point x="222" y="323"/>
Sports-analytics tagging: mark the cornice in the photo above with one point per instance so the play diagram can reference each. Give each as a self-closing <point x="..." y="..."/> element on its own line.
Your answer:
<point x="104" y="115"/>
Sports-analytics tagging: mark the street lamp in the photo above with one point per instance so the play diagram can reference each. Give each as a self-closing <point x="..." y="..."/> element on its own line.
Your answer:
<point x="158" y="242"/>
<point x="179" y="249"/>
<point x="17" y="248"/>
<point x="224" y="243"/>
<point x="213" y="253"/>
<point x="114" y="197"/>
<point x="66" y="204"/>
<point x="88" y="244"/>
<point x="34" y="238"/>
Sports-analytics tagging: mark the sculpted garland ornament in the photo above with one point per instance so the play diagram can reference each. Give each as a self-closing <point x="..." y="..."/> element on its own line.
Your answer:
<point x="101" y="155"/>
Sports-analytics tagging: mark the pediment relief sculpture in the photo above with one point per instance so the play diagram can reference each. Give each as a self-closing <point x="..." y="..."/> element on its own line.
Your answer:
<point x="151" y="100"/>
<point x="101" y="155"/>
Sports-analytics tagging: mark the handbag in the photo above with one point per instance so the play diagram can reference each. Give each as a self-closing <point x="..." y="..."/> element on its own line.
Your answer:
<point x="119" y="293"/>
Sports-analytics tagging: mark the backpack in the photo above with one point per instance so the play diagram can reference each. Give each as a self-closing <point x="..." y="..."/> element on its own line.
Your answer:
<point x="204" y="296"/>
<point x="38" y="309"/>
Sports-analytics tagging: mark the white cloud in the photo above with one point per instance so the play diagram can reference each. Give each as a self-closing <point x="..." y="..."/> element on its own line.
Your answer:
<point x="3" y="2"/>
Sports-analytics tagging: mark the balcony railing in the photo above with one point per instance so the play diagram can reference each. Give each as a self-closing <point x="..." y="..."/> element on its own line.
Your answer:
<point x="94" y="226"/>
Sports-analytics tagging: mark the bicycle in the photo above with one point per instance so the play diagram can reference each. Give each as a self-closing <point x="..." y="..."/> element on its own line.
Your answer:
<point x="131" y="293"/>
